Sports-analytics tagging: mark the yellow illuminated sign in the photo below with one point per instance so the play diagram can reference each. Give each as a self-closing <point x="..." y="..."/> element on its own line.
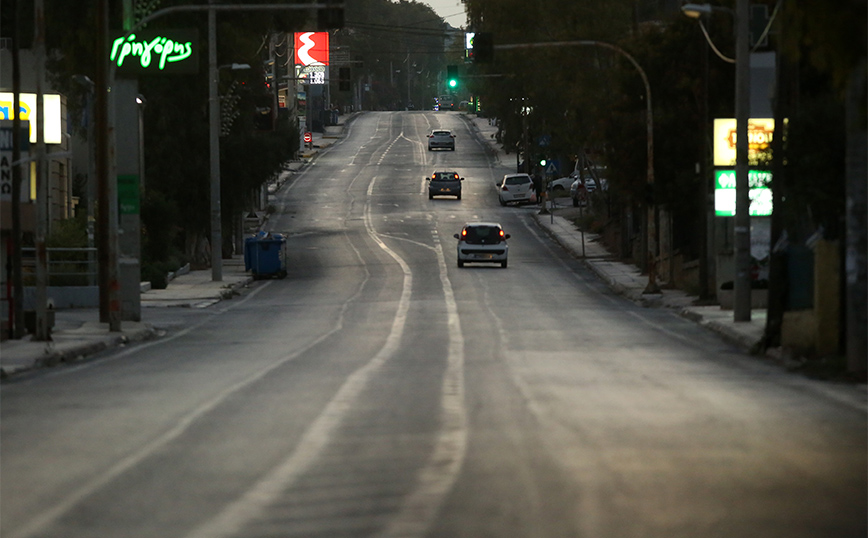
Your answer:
<point x="52" y="130"/>
<point x="760" y="132"/>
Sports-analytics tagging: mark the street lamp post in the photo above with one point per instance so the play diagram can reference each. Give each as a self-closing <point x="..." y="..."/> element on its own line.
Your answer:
<point x="214" y="125"/>
<point x="142" y="103"/>
<point x="742" y="287"/>
<point x="742" y="280"/>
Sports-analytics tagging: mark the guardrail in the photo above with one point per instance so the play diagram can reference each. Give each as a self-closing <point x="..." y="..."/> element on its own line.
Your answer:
<point x="66" y="266"/>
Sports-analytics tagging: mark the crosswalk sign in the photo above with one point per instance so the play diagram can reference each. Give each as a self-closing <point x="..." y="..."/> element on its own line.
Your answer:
<point x="551" y="168"/>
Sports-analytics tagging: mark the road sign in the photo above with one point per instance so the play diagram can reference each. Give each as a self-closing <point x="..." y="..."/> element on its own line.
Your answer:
<point x="308" y="138"/>
<point x="551" y="168"/>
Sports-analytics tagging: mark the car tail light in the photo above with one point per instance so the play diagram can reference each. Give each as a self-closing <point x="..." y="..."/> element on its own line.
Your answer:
<point x="501" y="234"/>
<point x="463" y="233"/>
<point x="504" y="187"/>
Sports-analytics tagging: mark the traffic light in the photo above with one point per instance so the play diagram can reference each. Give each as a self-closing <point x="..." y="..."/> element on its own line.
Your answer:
<point x="483" y="47"/>
<point x="452" y="76"/>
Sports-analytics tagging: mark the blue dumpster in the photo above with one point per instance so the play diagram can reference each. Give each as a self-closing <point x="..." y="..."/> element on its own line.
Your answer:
<point x="265" y="255"/>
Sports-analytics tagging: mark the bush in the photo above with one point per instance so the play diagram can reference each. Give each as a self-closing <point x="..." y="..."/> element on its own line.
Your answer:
<point x="156" y="274"/>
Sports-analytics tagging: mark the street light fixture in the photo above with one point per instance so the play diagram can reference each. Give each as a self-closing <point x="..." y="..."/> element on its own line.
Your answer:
<point x="694" y="11"/>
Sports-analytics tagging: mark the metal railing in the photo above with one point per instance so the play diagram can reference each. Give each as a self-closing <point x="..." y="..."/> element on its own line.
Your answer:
<point x="66" y="266"/>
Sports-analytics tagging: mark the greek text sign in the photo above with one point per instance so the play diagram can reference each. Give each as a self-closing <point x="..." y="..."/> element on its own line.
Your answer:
<point x="157" y="52"/>
<point x="760" y="132"/>
<point x="6" y="143"/>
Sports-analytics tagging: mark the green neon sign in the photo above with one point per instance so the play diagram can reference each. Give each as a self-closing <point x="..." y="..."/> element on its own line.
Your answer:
<point x="160" y="51"/>
<point x="760" y="193"/>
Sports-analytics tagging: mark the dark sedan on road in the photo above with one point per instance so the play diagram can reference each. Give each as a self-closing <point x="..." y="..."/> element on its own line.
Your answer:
<point x="444" y="183"/>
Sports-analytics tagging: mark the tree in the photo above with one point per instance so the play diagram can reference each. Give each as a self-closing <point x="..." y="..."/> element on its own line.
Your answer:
<point x="176" y="124"/>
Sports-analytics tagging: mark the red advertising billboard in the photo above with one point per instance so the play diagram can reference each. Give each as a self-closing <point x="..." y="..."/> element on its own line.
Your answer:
<point x="311" y="48"/>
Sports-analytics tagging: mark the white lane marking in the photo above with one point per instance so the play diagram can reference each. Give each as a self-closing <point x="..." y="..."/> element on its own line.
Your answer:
<point x="436" y="479"/>
<point x="42" y="521"/>
<point x="252" y="504"/>
<point x="589" y="505"/>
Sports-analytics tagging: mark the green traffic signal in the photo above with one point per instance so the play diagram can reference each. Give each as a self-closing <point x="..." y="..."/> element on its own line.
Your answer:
<point x="452" y="76"/>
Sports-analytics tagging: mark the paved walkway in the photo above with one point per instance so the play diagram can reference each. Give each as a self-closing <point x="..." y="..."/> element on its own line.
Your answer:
<point x="78" y="333"/>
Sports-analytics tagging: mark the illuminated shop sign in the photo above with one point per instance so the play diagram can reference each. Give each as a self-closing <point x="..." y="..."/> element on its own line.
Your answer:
<point x="760" y="193"/>
<point x="52" y="127"/>
<point x="158" y="51"/>
<point x="311" y="48"/>
<point x="311" y="74"/>
<point x="760" y="132"/>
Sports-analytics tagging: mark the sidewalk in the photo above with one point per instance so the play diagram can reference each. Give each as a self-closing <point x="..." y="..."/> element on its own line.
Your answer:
<point x="78" y="332"/>
<point x="628" y="280"/>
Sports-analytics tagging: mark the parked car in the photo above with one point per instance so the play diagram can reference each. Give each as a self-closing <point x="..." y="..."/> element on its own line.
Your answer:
<point x="441" y="139"/>
<point x="517" y="188"/>
<point x="444" y="183"/>
<point x="561" y="185"/>
<point x="482" y="242"/>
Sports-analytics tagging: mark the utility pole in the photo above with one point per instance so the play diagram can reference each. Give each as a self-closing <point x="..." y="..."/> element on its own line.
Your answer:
<point x="742" y="281"/>
<point x="856" y="318"/>
<point x="214" y="124"/>
<point x="42" y="332"/>
<point x="17" y="282"/>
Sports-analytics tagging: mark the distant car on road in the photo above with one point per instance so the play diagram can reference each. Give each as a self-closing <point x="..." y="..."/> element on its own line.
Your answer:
<point x="516" y="188"/>
<point x="446" y="102"/>
<point x="482" y="242"/>
<point x="444" y="183"/>
<point x="441" y="139"/>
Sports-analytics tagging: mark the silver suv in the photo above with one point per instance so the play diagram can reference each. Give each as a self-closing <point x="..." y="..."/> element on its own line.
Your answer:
<point x="441" y="139"/>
